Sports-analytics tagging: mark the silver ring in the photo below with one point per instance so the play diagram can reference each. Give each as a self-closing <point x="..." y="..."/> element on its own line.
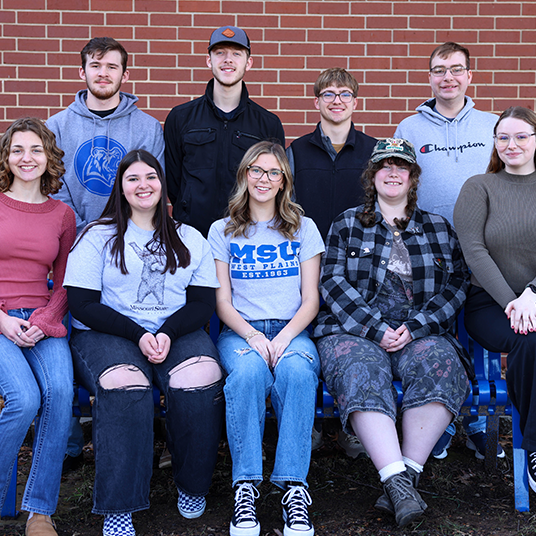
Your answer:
<point x="19" y="333"/>
<point x="15" y="343"/>
<point x="35" y="340"/>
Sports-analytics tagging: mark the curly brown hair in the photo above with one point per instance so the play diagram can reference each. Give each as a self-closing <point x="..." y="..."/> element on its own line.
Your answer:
<point x="368" y="216"/>
<point x="50" y="180"/>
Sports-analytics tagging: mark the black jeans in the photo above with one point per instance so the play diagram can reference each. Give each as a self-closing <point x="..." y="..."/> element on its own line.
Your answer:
<point x="123" y="420"/>
<point x="488" y="324"/>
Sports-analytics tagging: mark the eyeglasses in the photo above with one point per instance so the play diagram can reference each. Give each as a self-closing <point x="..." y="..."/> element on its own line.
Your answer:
<point x="329" y="96"/>
<point x="256" y="173"/>
<point x="455" y="70"/>
<point x="521" y="139"/>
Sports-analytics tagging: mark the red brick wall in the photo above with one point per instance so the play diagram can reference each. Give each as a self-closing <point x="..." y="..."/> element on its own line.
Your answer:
<point x="385" y="44"/>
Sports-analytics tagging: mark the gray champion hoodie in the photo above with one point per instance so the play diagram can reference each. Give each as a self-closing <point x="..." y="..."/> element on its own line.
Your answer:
<point x="94" y="146"/>
<point x="449" y="152"/>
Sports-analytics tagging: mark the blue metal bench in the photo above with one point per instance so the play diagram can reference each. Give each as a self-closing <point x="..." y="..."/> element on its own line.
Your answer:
<point x="488" y="397"/>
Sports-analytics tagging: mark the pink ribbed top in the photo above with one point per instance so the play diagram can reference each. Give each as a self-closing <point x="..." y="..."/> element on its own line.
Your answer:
<point x="34" y="239"/>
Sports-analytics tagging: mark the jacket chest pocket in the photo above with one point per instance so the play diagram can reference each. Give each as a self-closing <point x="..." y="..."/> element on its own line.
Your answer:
<point x="200" y="148"/>
<point x="359" y="265"/>
<point x="443" y="270"/>
<point x="240" y="143"/>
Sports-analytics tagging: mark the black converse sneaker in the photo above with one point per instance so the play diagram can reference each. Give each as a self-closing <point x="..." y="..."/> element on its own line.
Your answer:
<point x="295" y="512"/>
<point x="244" y="522"/>
<point x="531" y="466"/>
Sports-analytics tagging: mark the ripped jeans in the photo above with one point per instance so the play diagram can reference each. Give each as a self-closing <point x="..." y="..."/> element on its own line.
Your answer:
<point x="292" y="386"/>
<point x="123" y="417"/>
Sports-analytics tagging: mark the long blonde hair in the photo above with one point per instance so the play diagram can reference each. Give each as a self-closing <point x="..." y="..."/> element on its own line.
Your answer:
<point x="287" y="213"/>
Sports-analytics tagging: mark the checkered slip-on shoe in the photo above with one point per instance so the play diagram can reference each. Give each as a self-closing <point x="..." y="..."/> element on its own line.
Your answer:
<point x="191" y="506"/>
<point x="118" y="525"/>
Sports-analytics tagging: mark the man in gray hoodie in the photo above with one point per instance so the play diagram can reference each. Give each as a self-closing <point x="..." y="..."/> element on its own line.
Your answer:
<point x="453" y="142"/>
<point x="99" y="128"/>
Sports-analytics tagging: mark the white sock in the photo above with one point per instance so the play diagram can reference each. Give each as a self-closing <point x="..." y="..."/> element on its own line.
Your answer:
<point x="390" y="470"/>
<point x="413" y="464"/>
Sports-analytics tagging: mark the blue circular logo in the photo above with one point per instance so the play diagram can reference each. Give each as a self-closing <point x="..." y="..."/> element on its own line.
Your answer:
<point x="96" y="162"/>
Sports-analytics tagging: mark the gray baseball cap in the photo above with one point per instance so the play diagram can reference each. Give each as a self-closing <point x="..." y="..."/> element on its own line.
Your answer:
<point x="229" y="34"/>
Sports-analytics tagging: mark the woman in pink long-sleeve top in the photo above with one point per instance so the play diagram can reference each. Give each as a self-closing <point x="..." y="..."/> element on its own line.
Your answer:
<point x="36" y="233"/>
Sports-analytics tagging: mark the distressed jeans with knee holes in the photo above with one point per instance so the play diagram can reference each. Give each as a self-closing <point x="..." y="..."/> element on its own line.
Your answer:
<point x="123" y="420"/>
<point x="292" y="386"/>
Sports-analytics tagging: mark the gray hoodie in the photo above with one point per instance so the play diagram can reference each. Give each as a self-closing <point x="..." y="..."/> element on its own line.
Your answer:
<point x="94" y="146"/>
<point x="448" y="151"/>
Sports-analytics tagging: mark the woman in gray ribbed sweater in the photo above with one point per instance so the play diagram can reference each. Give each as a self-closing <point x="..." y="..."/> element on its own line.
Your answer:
<point x="495" y="218"/>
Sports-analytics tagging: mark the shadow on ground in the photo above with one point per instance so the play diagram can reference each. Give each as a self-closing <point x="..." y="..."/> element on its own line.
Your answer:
<point x="463" y="499"/>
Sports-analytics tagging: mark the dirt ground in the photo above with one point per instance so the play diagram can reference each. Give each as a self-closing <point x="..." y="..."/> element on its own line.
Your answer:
<point x="462" y="498"/>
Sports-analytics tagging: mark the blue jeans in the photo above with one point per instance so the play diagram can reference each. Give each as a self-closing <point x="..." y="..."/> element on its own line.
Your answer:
<point x="471" y="425"/>
<point x="123" y="420"/>
<point x="36" y="383"/>
<point x="292" y="386"/>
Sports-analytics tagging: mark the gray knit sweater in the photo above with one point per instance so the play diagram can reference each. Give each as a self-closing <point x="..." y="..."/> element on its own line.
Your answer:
<point x="495" y="218"/>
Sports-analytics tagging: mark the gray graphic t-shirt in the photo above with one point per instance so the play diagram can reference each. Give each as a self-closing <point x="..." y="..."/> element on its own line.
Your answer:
<point x="147" y="295"/>
<point x="265" y="267"/>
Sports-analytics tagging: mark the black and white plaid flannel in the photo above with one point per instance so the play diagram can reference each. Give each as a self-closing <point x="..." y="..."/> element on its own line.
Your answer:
<point x="354" y="268"/>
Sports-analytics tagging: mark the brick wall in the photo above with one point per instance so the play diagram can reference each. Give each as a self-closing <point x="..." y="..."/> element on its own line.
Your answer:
<point x="384" y="43"/>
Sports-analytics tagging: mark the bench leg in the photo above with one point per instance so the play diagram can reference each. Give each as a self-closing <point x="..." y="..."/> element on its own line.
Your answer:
<point x="9" y="510"/>
<point x="521" y="482"/>
<point x="492" y="432"/>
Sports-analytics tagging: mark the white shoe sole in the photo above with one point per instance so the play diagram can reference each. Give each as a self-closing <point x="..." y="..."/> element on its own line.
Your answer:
<point x="444" y="453"/>
<point x="471" y="446"/>
<point x="246" y="531"/>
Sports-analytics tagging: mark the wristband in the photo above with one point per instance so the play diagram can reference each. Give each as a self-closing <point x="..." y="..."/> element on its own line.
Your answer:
<point x="253" y="333"/>
<point x="532" y="287"/>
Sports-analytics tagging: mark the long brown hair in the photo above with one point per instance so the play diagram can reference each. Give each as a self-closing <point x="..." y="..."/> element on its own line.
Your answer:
<point x="50" y="180"/>
<point x="287" y="213"/>
<point x="517" y="112"/>
<point x="368" y="216"/>
<point x="117" y="212"/>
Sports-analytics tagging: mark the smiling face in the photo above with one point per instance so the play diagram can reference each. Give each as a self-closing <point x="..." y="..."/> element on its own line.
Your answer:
<point x="229" y="64"/>
<point x="517" y="160"/>
<point x="450" y="89"/>
<point x="104" y="76"/>
<point x="262" y="192"/>
<point x="27" y="158"/>
<point x="335" y="112"/>
<point x="392" y="182"/>
<point x="142" y="188"/>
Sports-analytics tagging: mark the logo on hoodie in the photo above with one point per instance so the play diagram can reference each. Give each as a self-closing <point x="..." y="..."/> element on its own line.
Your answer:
<point x="432" y="147"/>
<point x="96" y="162"/>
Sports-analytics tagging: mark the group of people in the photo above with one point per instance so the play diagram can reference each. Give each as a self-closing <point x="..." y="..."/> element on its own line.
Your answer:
<point x="258" y="234"/>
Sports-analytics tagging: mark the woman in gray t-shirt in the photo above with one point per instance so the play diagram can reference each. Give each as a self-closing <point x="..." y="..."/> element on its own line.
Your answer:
<point x="268" y="264"/>
<point x="141" y="288"/>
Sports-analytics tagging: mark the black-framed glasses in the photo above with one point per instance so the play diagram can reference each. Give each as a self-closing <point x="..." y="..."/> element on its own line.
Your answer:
<point x="330" y="96"/>
<point x="256" y="172"/>
<point x="521" y="139"/>
<point x="455" y="70"/>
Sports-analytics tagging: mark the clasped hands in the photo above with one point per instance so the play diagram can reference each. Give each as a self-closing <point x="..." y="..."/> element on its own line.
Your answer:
<point x="155" y="347"/>
<point x="522" y="312"/>
<point x="272" y="350"/>
<point x="394" y="340"/>
<point x="19" y="331"/>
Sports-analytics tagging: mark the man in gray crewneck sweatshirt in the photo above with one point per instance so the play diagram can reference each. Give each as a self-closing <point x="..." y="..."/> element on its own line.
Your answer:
<point x="453" y="142"/>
